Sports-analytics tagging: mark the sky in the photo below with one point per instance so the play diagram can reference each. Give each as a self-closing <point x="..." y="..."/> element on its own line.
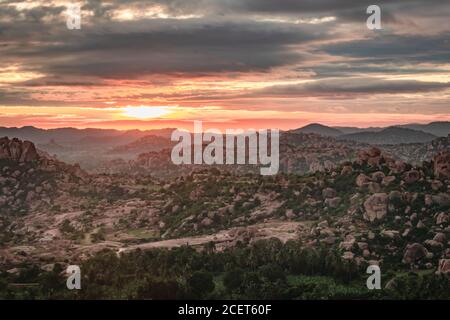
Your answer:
<point x="231" y="63"/>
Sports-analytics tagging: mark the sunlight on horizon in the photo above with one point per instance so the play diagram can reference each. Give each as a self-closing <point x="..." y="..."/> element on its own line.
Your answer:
<point x="146" y="112"/>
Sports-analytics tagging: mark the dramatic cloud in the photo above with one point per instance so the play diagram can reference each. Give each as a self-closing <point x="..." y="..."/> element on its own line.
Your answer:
<point x="172" y="47"/>
<point x="288" y="57"/>
<point x="396" y="48"/>
<point x="354" y="86"/>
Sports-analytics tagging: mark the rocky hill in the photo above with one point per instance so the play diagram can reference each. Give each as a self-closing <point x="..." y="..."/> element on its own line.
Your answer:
<point x="374" y="209"/>
<point x="320" y="129"/>
<point x="144" y="144"/>
<point x="16" y="150"/>
<point x="438" y="128"/>
<point x="29" y="178"/>
<point x="299" y="153"/>
<point x="80" y="136"/>
<point x="391" y="135"/>
<point x="416" y="153"/>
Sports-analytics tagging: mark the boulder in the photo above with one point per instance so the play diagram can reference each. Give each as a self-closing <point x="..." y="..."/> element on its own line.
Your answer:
<point x="433" y="244"/>
<point x="374" y="187"/>
<point x="420" y="225"/>
<point x="28" y="152"/>
<point x="391" y="234"/>
<point x="436" y="185"/>
<point x="444" y="267"/>
<point x="440" y="237"/>
<point x="387" y="180"/>
<point x="370" y="156"/>
<point x="323" y="224"/>
<point x="346" y="245"/>
<point x="328" y="193"/>
<point x="441" y="165"/>
<point x="411" y="176"/>
<point x="442" y="218"/>
<point x="398" y="166"/>
<point x="346" y="170"/>
<point x="290" y="214"/>
<point x="17" y="150"/>
<point x="378" y="176"/>
<point x="206" y="222"/>
<point x="333" y="202"/>
<point x="376" y="207"/>
<point x="348" y="255"/>
<point x="414" y="252"/>
<point x="362" y="180"/>
<point x="441" y="199"/>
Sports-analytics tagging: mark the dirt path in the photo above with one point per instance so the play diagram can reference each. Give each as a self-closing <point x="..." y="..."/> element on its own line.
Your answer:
<point x="279" y="229"/>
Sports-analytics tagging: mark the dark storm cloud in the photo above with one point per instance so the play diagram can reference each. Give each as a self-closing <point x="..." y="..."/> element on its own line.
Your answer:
<point x="19" y="97"/>
<point x="169" y="46"/>
<point x="22" y="97"/>
<point x="355" y="68"/>
<point x="34" y="14"/>
<point x="344" y="10"/>
<point x="356" y="86"/>
<point x="58" y="81"/>
<point x="415" y="47"/>
<point x="12" y="97"/>
<point x="351" y="9"/>
<point x="310" y="5"/>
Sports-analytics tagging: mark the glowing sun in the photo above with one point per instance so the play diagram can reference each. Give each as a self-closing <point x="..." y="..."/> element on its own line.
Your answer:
<point x="145" y="112"/>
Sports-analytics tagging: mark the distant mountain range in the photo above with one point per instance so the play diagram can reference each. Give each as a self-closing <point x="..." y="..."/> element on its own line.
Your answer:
<point x="145" y="144"/>
<point x="409" y="133"/>
<point x="391" y="135"/>
<point x="110" y="138"/>
<point x="81" y="136"/>
<point x="440" y="128"/>
<point x="318" y="128"/>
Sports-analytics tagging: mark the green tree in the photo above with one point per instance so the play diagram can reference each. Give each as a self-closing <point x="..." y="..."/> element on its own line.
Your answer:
<point x="200" y="283"/>
<point x="233" y="279"/>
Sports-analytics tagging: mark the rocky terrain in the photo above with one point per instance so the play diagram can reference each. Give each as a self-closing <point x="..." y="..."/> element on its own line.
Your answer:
<point x="416" y="153"/>
<point x="375" y="209"/>
<point x="148" y="143"/>
<point x="299" y="153"/>
<point x="407" y="133"/>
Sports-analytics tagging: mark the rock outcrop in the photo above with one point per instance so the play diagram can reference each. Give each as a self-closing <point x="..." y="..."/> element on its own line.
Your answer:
<point x="17" y="150"/>
<point x="441" y="165"/>
<point x="444" y="267"/>
<point x="414" y="252"/>
<point x="371" y="156"/>
<point x="376" y="207"/>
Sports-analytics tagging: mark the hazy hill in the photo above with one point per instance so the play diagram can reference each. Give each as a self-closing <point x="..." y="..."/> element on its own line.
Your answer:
<point x="318" y="128"/>
<point x="80" y="136"/>
<point x="440" y="128"/>
<point x="348" y="130"/>
<point x="390" y="135"/>
<point x="52" y="147"/>
<point x="144" y="144"/>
